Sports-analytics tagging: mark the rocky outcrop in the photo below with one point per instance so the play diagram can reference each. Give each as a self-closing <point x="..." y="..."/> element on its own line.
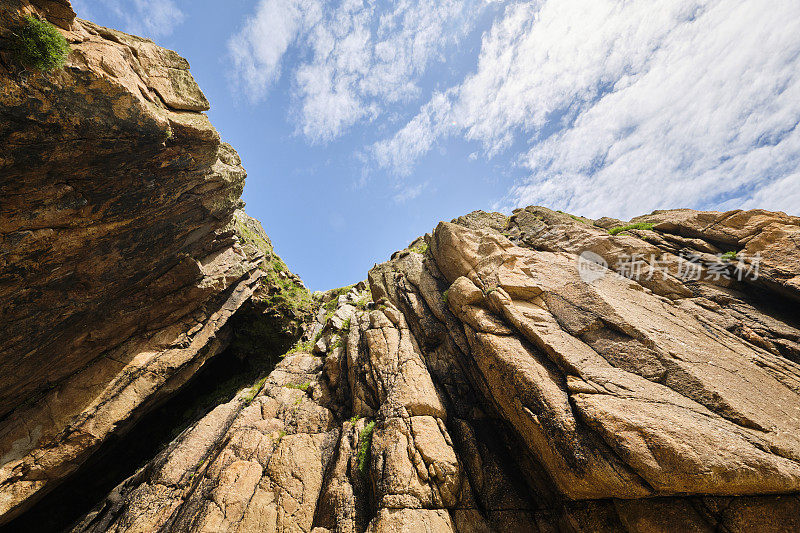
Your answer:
<point x="484" y="381"/>
<point x="538" y="372"/>
<point x="122" y="250"/>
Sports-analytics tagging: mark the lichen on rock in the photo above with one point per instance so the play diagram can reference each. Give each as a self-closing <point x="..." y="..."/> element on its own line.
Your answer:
<point x="481" y="379"/>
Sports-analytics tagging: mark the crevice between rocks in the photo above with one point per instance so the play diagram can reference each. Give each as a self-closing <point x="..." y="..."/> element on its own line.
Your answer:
<point x="122" y="455"/>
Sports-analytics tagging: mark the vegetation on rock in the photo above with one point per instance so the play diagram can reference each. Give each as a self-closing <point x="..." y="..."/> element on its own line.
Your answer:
<point x="39" y="45"/>
<point x="365" y="446"/>
<point x="302" y="386"/>
<point x="280" y="306"/>
<point x="639" y="226"/>
<point x="421" y="248"/>
<point x="728" y="256"/>
<point x="254" y="390"/>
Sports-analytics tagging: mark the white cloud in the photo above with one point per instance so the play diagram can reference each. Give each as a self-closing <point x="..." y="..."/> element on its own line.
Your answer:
<point x="259" y="46"/>
<point x="781" y="195"/>
<point x="631" y="106"/>
<point x="356" y="58"/>
<point x="147" y="18"/>
<point x="409" y="192"/>
<point x="417" y="137"/>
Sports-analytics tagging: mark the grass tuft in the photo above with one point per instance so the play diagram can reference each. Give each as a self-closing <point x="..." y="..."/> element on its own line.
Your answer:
<point x="254" y="390"/>
<point x="365" y="446"/>
<point x="420" y="249"/>
<point x="303" y="386"/>
<point x="39" y="45"/>
<point x="640" y="226"/>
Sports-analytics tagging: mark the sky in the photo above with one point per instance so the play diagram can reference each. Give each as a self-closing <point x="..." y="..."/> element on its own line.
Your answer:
<point x="363" y="123"/>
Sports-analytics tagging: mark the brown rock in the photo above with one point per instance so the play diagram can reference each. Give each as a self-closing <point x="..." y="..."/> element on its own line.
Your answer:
<point x="481" y="380"/>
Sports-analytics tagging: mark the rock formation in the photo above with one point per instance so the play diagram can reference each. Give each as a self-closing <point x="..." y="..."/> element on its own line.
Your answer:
<point x="122" y="253"/>
<point x="538" y="372"/>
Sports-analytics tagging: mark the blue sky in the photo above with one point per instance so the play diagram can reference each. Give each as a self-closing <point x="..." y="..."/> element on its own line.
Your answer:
<point x="363" y="123"/>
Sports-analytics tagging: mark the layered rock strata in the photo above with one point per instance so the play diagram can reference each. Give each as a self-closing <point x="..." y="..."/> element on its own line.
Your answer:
<point x="122" y="253"/>
<point x="480" y="383"/>
<point x="538" y="372"/>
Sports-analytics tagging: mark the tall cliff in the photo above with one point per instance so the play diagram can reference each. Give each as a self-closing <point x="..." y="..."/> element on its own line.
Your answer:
<point x="122" y="250"/>
<point x="162" y="370"/>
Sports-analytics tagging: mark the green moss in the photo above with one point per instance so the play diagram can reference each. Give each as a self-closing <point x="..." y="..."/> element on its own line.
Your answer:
<point x="420" y="249"/>
<point x="639" y="226"/>
<point x="249" y="236"/>
<point x="729" y="256"/>
<point x="39" y="45"/>
<point x="197" y="469"/>
<point x="303" y="386"/>
<point x="331" y="305"/>
<point x="444" y="295"/>
<point x="346" y="325"/>
<point x="365" y="446"/>
<point x="254" y="390"/>
<point x="279" y="266"/>
<point x="364" y="301"/>
<point x="354" y="419"/>
<point x="304" y="347"/>
<point x="334" y="294"/>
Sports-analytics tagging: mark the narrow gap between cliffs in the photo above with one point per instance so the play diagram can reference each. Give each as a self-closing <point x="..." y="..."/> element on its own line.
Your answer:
<point x="123" y="455"/>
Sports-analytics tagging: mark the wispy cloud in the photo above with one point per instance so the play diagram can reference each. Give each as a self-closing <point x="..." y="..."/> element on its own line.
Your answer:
<point x="409" y="192"/>
<point x="258" y="48"/>
<point x="627" y="107"/>
<point x="602" y="107"/>
<point x="355" y="58"/>
<point x="147" y="18"/>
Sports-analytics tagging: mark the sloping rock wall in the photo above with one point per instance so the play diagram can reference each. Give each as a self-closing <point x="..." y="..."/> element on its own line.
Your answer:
<point x="538" y="372"/>
<point x="481" y="385"/>
<point x="123" y="252"/>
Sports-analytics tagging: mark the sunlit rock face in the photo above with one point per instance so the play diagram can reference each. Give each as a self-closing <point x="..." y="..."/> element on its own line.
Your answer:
<point x="532" y="372"/>
<point x="480" y="380"/>
<point x="121" y="248"/>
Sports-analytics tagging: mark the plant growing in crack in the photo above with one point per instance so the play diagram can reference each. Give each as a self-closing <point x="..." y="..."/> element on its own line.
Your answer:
<point x="302" y="386"/>
<point x="420" y="248"/>
<point x="39" y="45"/>
<point x="638" y="226"/>
<point x="254" y="390"/>
<point x="365" y="446"/>
<point x="197" y="469"/>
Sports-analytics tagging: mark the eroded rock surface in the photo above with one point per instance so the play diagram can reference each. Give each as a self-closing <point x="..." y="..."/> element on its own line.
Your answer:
<point x="123" y="250"/>
<point x="538" y="372"/>
<point x="479" y="383"/>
